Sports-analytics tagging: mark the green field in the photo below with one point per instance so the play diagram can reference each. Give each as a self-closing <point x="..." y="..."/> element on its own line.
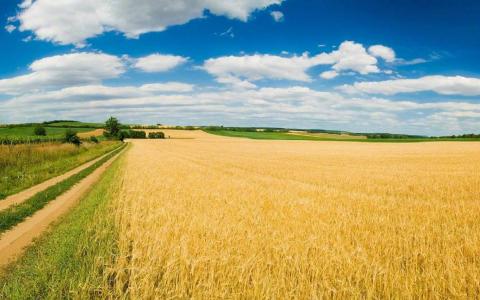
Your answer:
<point x="74" y="124"/>
<point x="260" y="135"/>
<point x="28" y="131"/>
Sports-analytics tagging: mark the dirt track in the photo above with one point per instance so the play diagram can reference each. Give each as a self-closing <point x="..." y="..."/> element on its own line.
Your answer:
<point x="13" y="242"/>
<point x="26" y="194"/>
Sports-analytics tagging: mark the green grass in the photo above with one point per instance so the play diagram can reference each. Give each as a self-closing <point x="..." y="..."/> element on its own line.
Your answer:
<point x="68" y="261"/>
<point x="22" y="166"/>
<point x="17" y="213"/>
<point x="75" y="124"/>
<point x="52" y="132"/>
<point x="259" y="135"/>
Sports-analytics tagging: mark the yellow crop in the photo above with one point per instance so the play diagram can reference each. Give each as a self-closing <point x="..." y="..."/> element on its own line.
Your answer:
<point x="216" y="217"/>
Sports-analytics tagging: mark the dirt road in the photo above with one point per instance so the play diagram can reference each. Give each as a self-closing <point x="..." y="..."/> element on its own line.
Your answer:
<point x="13" y="242"/>
<point x="28" y="193"/>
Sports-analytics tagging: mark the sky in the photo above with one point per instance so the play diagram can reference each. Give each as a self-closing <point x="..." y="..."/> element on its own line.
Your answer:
<point x="410" y="66"/>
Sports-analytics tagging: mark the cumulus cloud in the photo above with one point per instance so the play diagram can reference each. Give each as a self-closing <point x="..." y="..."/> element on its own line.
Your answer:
<point x="64" y="70"/>
<point x="74" y="21"/>
<point x="444" y="85"/>
<point x="10" y="28"/>
<point x="277" y="16"/>
<point x="159" y="62"/>
<point x="229" y="69"/>
<point x="350" y="56"/>
<point x="381" y="51"/>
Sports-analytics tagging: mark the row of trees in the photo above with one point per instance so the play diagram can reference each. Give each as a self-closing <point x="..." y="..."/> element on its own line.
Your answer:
<point x="113" y="130"/>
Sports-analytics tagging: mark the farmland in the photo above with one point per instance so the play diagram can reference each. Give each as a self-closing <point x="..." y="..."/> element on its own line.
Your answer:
<point x="206" y="216"/>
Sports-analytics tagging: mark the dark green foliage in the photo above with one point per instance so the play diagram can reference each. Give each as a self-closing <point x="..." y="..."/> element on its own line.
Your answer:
<point x="112" y="126"/>
<point x="94" y="139"/>
<point x="156" y="135"/>
<point x="122" y="135"/>
<point x="16" y="214"/>
<point x="137" y="134"/>
<point x="72" y="137"/>
<point x="40" y="130"/>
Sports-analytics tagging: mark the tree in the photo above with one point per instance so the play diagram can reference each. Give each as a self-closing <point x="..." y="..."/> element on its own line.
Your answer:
<point x="40" y="130"/>
<point x="112" y="126"/>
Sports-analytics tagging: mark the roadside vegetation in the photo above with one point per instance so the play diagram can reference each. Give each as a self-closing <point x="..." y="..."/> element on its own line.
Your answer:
<point x="17" y="213"/>
<point x="69" y="261"/>
<point x="25" y="165"/>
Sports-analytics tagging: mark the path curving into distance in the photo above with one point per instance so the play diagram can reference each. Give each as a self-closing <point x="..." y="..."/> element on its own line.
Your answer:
<point x="14" y="241"/>
<point x="31" y="191"/>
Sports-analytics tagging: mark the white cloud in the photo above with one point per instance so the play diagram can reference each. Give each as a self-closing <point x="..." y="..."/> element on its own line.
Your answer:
<point x="445" y="85"/>
<point x="353" y="56"/>
<point x="159" y="63"/>
<point x="178" y="87"/>
<point x="228" y="69"/>
<point x="383" y="52"/>
<point x="277" y="16"/>
<point x="350" y="56"/>
<point x="10" y="28"/>
<point x="329" y="74"/>
<point x="64" y="70"/>
<point x="74" y="21"/>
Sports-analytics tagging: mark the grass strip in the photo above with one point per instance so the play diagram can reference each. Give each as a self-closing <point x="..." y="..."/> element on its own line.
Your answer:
<point x="23" y="166"/>
<point x="69" y="261"/>
<point x="16" y="214"/>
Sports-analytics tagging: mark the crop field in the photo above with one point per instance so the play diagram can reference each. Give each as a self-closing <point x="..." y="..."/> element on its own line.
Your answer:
<point x="204" y="216"/>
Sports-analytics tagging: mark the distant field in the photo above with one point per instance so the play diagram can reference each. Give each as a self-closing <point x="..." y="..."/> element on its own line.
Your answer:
<point x="261" y="135"/>
<point x="325" y="135"/>
<point x="28" y="131"/>
<point x="26" y="134"/>
<point x="75" y="124"/>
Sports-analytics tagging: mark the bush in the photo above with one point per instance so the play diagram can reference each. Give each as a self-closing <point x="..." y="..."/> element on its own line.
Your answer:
<point x="72" y="137"/>
<point x="94" y="139"/>
<point x="156" y="135"/>
<point x="137" y="134"/>
<point x="40" y="130"/>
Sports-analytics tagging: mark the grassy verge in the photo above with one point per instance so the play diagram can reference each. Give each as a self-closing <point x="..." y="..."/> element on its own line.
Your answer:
<point x="259" y="135"/>
<point x="68" y="261"/>
<point x="16" y="214"/>
<point x="23" y="166"/>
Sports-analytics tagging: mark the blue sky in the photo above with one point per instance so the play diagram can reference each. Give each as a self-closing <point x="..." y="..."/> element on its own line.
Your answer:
<point x="397" y="66"/>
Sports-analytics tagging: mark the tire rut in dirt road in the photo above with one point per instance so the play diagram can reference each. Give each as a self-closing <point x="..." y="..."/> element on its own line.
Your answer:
<point x="14" y="241"/>
<point x="30" y="192"/>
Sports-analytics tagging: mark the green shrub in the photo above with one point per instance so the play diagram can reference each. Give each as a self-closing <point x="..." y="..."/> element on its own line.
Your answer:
<point x="137" y="134"/>
<point x="156" y="135"/>
<point x="72" y="137"/>
<point x="94" y="139"/>
<point x="40" y="130"/>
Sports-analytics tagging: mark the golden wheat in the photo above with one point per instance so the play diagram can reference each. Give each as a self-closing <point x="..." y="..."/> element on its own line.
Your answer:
<point x="217" y="217"/>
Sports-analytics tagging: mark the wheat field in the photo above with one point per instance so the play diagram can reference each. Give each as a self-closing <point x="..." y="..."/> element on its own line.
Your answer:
<point x="211" y="217"/>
